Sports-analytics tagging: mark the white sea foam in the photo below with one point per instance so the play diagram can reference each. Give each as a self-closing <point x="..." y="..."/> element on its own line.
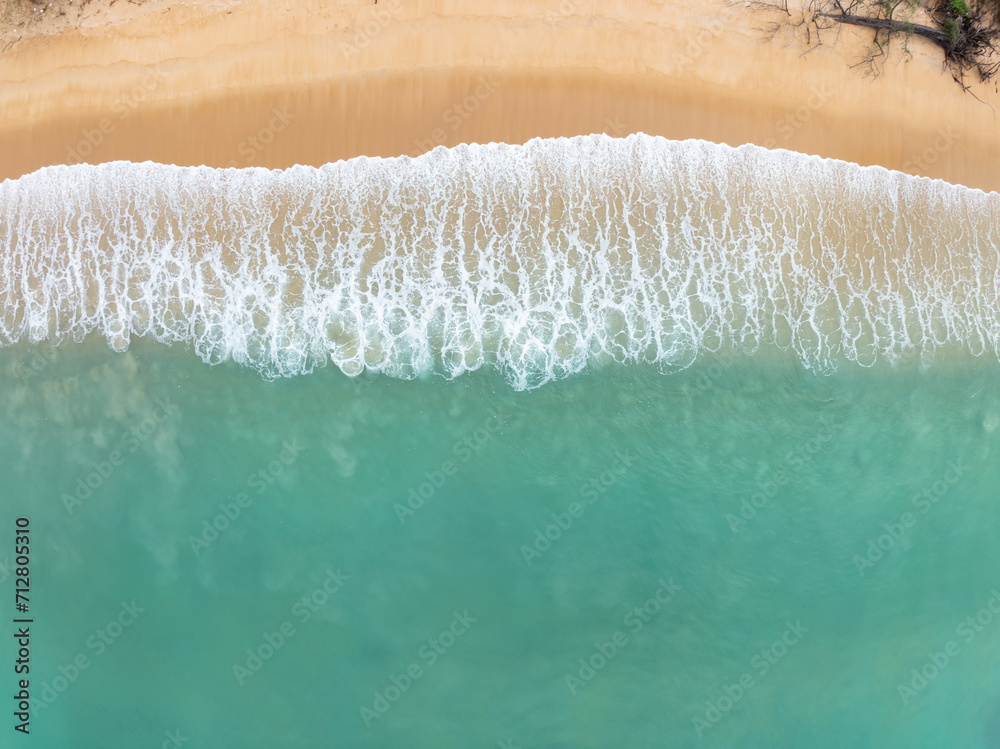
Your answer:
<point x="537" y="259"/>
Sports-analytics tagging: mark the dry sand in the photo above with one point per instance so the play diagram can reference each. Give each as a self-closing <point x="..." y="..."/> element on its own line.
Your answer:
<point x="307" y="81"/>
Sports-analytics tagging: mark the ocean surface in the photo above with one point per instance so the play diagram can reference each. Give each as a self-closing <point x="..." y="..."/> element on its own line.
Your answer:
<point x="591" y="442"/>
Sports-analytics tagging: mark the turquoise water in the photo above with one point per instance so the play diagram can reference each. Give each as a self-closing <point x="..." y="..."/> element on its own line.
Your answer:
<point x="646" y="444"/>
<point x="345" y="579"/>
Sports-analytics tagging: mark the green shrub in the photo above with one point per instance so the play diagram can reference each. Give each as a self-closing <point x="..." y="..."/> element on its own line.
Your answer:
<point x="951" y="29"/>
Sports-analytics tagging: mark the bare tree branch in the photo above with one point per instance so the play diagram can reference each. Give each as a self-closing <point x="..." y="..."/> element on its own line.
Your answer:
<point x="966" y="31"/>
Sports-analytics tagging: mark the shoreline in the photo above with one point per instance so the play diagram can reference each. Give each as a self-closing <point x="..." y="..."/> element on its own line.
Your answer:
<point x="541" y="258"/>
<point x="261" y="85"/>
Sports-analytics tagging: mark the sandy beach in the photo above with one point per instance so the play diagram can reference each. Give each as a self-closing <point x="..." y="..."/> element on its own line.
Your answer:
<point x="273" y="84"/>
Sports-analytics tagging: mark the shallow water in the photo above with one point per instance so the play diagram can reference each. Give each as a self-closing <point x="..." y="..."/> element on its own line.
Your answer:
<point x="654" y="480"/>
<point x="651" y="444"/>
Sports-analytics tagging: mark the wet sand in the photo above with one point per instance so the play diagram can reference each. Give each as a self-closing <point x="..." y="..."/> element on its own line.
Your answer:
<point x="307" y="82"/>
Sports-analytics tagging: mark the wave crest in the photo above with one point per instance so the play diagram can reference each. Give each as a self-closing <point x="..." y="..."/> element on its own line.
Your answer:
<point x="538" y="259"/>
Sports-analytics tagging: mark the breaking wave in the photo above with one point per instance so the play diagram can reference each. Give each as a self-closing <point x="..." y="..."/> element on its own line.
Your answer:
<point x="537" y="259"/>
